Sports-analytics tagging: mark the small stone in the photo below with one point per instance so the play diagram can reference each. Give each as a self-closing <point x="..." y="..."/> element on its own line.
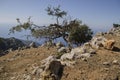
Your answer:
<point x="83" y="59"/>
<point x="10" y="50"/>
<point x="12" y="78"/>
<point x="34" y="71"/>
<point x="92" y="51"/>
<point x="28" y="77"/>
<point x="115" y="62"/>
<point x="37" y="71"/>
<point x="106" y="63"/>
<point x="59" y="45"/>
<point x="87" y="55"/>
<point x="67" y="56"/>
<point x="32" y="44"/>
<point x="106" y="69"/>
<point x="62" y="49"/>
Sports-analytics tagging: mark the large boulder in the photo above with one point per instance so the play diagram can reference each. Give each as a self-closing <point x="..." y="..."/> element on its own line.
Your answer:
<point x="51" y="69"/>
<point x="98" y="42"/>
<point x="85" y="50"/>
<point x="109" y="44"/>
<point x="56" y="69"/>
<point x="101" y="41"/>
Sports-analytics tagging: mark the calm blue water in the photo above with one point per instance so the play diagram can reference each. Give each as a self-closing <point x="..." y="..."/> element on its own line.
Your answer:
<point x="4" y="30"/>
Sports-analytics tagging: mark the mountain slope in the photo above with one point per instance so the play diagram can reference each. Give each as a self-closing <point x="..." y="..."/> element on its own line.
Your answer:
<point x="21" y="64"/>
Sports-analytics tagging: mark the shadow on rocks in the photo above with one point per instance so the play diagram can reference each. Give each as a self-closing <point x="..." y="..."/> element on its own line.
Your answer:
<point x="116" y="49"/>
<point x="57" y="69"/>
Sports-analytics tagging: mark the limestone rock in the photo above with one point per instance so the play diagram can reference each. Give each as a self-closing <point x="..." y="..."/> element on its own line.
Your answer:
<point x="44" y="45"/>
<point x="98" y="42"/>
<point x="59" y="45"/>
<point x="101" y="41"/>
<point x="37" y="71"/>
<point x="115" y="62"/>
<point x="106" y="63"/>
<point x="67" y="56"/>
<point x="87" y="48"/>
<point x="54" y="71"/>
<point x="48" y="60"/>
<point x="68" y="63"/>
<point x="115" y="31"/>
<point x="62" y="50"/>
<point x="86" y="55"/>
<point x="78" y="50"/>
<point x="99" y="34"/>
<point x="26" y="77"/>
<point x="109" y="44"/>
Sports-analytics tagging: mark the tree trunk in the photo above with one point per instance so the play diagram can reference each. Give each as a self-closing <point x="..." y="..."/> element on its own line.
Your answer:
<point x="57" y="20"/>
<point x="65" y="37"/>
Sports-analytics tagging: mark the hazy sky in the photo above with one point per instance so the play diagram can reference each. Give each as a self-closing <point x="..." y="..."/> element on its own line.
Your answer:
<point x="99" y="14"/>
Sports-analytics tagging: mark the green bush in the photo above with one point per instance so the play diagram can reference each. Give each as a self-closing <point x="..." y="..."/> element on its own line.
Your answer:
<point x="80" y="35"/>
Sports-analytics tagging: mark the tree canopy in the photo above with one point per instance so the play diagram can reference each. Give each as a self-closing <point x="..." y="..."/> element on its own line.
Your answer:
<point x="72" y="31"/>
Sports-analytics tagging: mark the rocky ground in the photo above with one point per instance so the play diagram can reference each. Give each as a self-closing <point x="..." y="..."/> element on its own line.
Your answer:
<point x="25" y="64"/>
